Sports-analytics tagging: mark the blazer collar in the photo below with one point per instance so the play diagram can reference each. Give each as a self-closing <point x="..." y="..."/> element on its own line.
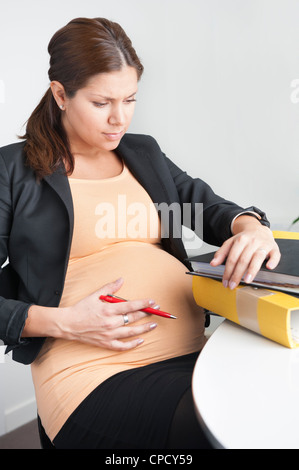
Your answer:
<point x="59" y="182"/>
<point x="139" y="162"/>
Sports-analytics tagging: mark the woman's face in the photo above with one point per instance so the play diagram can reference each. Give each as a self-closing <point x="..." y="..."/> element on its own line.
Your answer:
<point x="99" y="114"/>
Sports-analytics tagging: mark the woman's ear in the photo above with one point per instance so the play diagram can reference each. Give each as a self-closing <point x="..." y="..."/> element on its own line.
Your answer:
<point x="59" y="94"/>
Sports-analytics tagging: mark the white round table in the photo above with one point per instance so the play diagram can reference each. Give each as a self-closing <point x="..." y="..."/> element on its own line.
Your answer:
<point x="246" y="391"/>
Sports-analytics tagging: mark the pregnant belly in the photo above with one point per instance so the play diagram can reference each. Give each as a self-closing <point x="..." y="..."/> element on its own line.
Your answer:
<point x="148" y="272"/>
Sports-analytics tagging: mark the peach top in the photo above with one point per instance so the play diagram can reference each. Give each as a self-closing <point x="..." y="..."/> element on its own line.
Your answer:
<point x="116" y="234"/>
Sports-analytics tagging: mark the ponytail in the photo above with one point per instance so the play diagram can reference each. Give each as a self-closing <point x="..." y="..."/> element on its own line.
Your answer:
<point x="46" y="143"/>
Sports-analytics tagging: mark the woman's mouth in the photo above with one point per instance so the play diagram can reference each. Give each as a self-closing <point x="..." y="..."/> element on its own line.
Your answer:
<point x="113" y="135"/>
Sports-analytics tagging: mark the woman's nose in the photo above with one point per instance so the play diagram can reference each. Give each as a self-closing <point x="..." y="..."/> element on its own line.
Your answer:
<point x="117" y="116"/>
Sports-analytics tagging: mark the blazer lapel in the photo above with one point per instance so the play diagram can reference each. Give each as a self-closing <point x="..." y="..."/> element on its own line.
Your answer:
<point x="59" y="182"/>
<point x="140" y="164"/>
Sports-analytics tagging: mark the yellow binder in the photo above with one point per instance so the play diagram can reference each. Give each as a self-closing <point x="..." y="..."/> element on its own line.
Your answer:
<point x="272" y="314"/>
<point x="269" y="313"/>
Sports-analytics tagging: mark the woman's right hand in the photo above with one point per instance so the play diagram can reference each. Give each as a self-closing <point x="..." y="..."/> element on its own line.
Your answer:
<point x="101" y="324"/>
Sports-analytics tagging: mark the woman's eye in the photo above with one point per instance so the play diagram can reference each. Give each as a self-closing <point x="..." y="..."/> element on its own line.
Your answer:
<point x="103" y="104"/>
<point x="99" y="105"/>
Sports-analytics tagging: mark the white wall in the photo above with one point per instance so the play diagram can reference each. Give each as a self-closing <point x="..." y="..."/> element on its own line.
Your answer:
<point x="217" y="94"/>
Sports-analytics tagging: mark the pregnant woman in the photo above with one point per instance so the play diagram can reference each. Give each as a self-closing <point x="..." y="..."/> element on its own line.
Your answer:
<point x="80" y="216"/>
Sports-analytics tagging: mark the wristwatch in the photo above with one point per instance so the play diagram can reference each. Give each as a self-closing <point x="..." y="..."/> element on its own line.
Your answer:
<point x="253" y="212"/>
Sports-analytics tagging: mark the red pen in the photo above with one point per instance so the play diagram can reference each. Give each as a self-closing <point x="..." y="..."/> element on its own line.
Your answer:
<point x="115" y="299"/>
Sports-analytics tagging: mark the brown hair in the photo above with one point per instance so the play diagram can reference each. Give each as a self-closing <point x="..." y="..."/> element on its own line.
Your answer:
<point x="81" y="49"/>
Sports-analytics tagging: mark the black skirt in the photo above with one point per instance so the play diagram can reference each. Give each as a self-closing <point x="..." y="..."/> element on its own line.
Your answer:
<point x="130" y="410"/>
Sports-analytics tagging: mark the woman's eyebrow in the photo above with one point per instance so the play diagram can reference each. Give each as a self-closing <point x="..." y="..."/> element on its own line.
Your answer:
<point x="111" y="99"/>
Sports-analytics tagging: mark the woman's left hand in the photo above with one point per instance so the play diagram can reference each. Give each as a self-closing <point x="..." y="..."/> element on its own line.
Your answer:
<point x="246" y="251"/>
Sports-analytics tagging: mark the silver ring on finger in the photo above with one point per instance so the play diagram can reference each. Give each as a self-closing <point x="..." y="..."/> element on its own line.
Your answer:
<point x="126" y="319"/>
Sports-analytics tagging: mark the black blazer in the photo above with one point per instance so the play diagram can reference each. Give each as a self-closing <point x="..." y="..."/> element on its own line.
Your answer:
<point x="36" y="226"/>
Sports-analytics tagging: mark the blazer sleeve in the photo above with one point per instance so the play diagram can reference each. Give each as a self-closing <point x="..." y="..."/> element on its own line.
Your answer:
<point x="13" y="313"/>
<point x="217" y="212"/>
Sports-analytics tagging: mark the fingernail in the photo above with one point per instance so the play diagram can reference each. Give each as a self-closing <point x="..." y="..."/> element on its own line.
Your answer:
<point x="157" y="307"/>
<point x="225" y="283"/>
<point x="140" y="341"/>
<point x="153" y="325"/>
<point x="248" y="278"/>
<point x="151" y="302"/>
<point x="232" y="285"/>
